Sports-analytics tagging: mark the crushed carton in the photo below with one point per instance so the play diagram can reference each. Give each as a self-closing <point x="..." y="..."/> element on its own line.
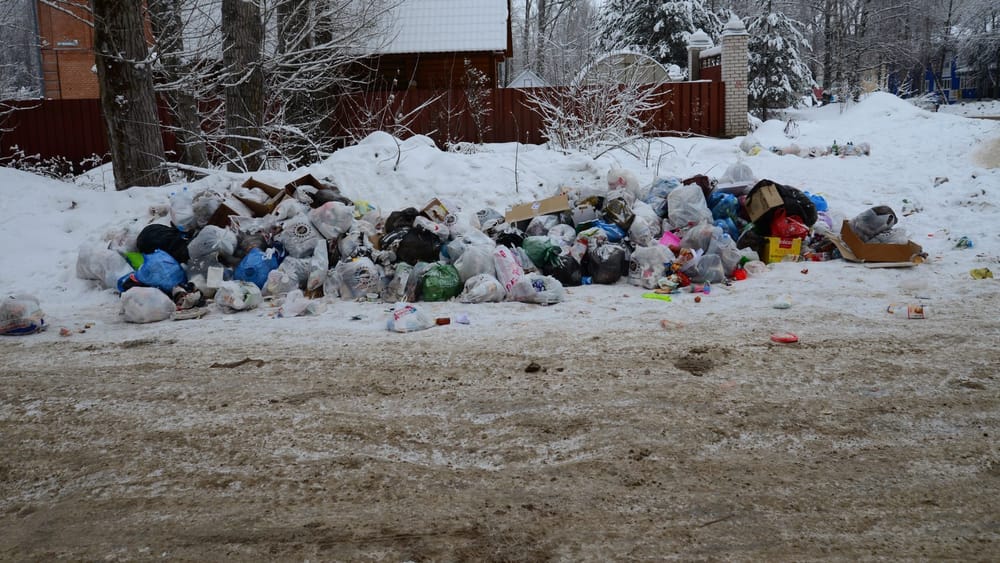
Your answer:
<point x="274" y="197"/>
<point x="524" y="211"/>
<point x="436" y="211"/>
<point x="763" y="200"/>
<point x="854" y="249"/>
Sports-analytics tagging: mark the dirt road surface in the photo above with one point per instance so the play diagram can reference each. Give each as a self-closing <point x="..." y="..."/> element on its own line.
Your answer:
<point x="866" y="440"/>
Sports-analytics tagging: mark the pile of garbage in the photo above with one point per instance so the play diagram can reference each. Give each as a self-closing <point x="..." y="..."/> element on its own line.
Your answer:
<point x="306" y="240"/>
<point x="752" y="147"/>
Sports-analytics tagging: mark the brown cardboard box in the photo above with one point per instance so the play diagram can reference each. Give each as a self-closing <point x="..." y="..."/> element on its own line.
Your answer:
<point x="275" y="195"/>
<point x="877" y="252"/>
<point x="307" y="180"/>
<point x="229" y="208"/>
<point x="763" y="200"/>
<point x="553" y="204"/>
<point x="436" y="211"/>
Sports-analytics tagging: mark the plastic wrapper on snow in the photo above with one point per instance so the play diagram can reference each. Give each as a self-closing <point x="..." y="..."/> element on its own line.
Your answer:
<point x="20" y="315"/>
<point x="101" y="264"/>
<point x="296" y="304"/>
<point x="482" y="288"/>
<point x="234" y="296"/>
<point x="146" y="305"/>
<point x="539" y="289"/>
<point x="408" y="318"/>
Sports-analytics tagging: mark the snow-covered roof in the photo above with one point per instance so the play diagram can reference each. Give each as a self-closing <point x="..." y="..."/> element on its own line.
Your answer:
<point x="527" y="78"/>
<point x="445" y="26"/>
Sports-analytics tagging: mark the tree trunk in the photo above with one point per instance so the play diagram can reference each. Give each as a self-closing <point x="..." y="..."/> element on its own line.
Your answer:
<point x="242" y="44"/>
<point x="828" y="45"/>
<point x="165" y="20"/>
<point x="127" y="97"/>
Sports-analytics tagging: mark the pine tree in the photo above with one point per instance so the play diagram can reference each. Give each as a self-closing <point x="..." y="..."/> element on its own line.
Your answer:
<point x="778" y="73"/>
<point x="659" y="29"/>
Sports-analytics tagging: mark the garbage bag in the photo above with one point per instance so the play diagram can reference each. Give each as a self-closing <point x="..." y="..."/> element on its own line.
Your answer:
<point x="564" y="268"/>
<point x="21" y="314"/>
<point x="256" y="265"/>
<point x="613" y="231"/>
<point x="871" y="222"/>
<point x="319" y="265"/>
<point x="358" y="278"/>
<point x="407" y="318"/>
<point x="659" y="192"/>
<point x="737" y="172"/>
<point x="332" y="219"/>
<point x="162" y="237"/>
<point x="440" y="231"/>
<point x="700" y="236"/>
<point x="204" y="204"/>
<point x="687" y="206"/>
<point x="182" y="211"/>
<point x="641" y="233"/>
<point x="541" y="249"/>
<point x="482" y="288"/>
<point x="618" y="211"/>
<point x="475" y="260"/>
<point x="785" y="226"/>
<point x="467" y="239"/>
<point x="606" y="263"/>
<point x="290" y="275"/>
<point x="441" y="282"/>
<point x="146" y="305"/>
<point x="161" y="271"/>
<point x="355" y="244"/>
<point x="296" y="304"/>
<point x="508" y="270"/>
<point x="510" y="236"/>
<point x="539" y="226"/>
<point x="298" y="236"/>
<point x="418" y="245"/>
<point x="647" y="265"/>
<point x="708" y="268"/>
<point x="402" y="219"/>
<point x="233" y="296"/>
<point x="724" y="205"/>
<point x="539" y="289"/>
<point x="102" y="264"/>
<point x="212" y="239"/>
<point x="794" y="201"/>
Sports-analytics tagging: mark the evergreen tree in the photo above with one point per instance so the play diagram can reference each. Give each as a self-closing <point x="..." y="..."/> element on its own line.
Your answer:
<point x="659" y="29"/>
<point x="778" y="73"/>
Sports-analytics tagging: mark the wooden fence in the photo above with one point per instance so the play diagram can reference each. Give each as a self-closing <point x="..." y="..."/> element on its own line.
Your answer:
<point x="75" y="130"/>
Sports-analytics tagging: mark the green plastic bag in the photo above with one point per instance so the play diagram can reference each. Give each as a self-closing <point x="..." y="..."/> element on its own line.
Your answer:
<point x="541" y="250"/>
<point x="441" y="282"/>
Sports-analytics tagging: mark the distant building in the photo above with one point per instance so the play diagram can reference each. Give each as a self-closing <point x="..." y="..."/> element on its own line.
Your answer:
<point x="527" y="79"/>
<point x="67" y="52"/>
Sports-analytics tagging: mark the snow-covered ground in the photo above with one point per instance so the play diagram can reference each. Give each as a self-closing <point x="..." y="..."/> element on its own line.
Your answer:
<point x="932" y="167"/>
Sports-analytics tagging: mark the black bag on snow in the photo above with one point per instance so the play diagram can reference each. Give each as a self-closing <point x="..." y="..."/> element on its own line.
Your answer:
<point x="402" y="219"/>
<point x="161" y="237"/>
<point x="606" y="263"/>
<point x="566" y="269"/>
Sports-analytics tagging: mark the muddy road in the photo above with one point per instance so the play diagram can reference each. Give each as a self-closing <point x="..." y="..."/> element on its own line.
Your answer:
<point x="629" y="442"/>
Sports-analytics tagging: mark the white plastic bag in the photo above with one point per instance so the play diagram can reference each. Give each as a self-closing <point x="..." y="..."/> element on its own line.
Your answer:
<point x="482" y="288"/>
<point x="101" y="264"/>
<point x="442" y="231"/>
<point x="233" y="296"/>
<point x="20" y="315"/>
<point x="290" y="275"/>
<point x="407" y="318"/>
<point x="358" y="278"/>
<point x="182" y="210"/>
<point x="146" y="305"/>
<point x="536" y="288"/>
<point x="686" y="206"/>
<point x="332" y="219"/>
<point x="318" y="267"/>
<point x="647" y="265"/>
<point x="298" y="236"/>
<point x="507" y="268"/>
<point x="212" y="239"/>
<point x="477" y="259"/>
<point x="297" y="305"/>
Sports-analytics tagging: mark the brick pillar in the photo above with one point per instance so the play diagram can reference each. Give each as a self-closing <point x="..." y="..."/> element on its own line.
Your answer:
<point x="697" y="42"/>
<point x="735" y="66"/>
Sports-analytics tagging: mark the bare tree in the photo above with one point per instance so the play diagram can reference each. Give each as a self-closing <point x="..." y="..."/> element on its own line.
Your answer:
<point x="124" y="71"/>
<point x="242" y="57"/>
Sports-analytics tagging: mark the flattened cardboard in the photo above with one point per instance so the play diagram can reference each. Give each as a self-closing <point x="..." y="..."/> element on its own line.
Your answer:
<point x="229" y="208"/>
<point x="553" y="204"/>
<point x="435" y="211"/>
<point x="275" y="195"/>
<point x="307" y="180"/>
<point x="878" y="252"/>
<point x="763" y="200"/>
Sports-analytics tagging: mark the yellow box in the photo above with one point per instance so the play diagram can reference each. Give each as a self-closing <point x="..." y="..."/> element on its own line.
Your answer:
<point x="776" y="248"/>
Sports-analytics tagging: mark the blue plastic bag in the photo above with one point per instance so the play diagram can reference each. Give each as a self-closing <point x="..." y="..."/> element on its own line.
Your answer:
<point x="615" y="233"/>
<point x="256" y="265"/>
<point x="729" y="227"/>
<point x="819" y="201"/>
<point x="723" y="205"/>
<point x="160" y="270"/>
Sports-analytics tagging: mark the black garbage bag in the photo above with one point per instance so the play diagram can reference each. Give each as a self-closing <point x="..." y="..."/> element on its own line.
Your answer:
<point x="795" y="203"/>
<point x="162" y="237"/>
<point x="418" y="245"/>
<point x="607" y="262"/>
<point x="402" y="219"/>
<point x="510" y="237"/>
<point x="564" y="268"/>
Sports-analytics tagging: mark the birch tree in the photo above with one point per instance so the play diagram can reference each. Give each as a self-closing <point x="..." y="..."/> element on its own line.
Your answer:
<point x="127" y="97"/>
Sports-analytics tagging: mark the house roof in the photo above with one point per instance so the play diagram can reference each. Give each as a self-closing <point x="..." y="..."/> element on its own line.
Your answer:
<point x="527" y="78"/>
<point x="445" y="26"/>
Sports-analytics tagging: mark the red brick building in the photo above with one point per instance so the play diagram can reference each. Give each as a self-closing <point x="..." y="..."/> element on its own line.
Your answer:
<point x="67" y="49"/>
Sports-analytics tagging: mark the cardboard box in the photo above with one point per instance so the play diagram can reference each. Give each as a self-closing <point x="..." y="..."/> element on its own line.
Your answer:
<point x="436" y="211"/>
<point x="307" y="180"/>
<point x="229" y="208"/>
<point x="859" y="251"/>
<point x="553" y="204"/>
<point x="776" y="248"/>
<point x="763" y="200"/>
<point x="274" y="197"/>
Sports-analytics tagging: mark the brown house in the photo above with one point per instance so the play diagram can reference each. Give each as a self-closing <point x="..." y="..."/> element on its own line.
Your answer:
<point x="67" y="48"/>
<point x="432" y="44"/>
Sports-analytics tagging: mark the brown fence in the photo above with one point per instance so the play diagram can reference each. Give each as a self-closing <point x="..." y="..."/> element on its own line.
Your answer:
<point x="75" y="129"/>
